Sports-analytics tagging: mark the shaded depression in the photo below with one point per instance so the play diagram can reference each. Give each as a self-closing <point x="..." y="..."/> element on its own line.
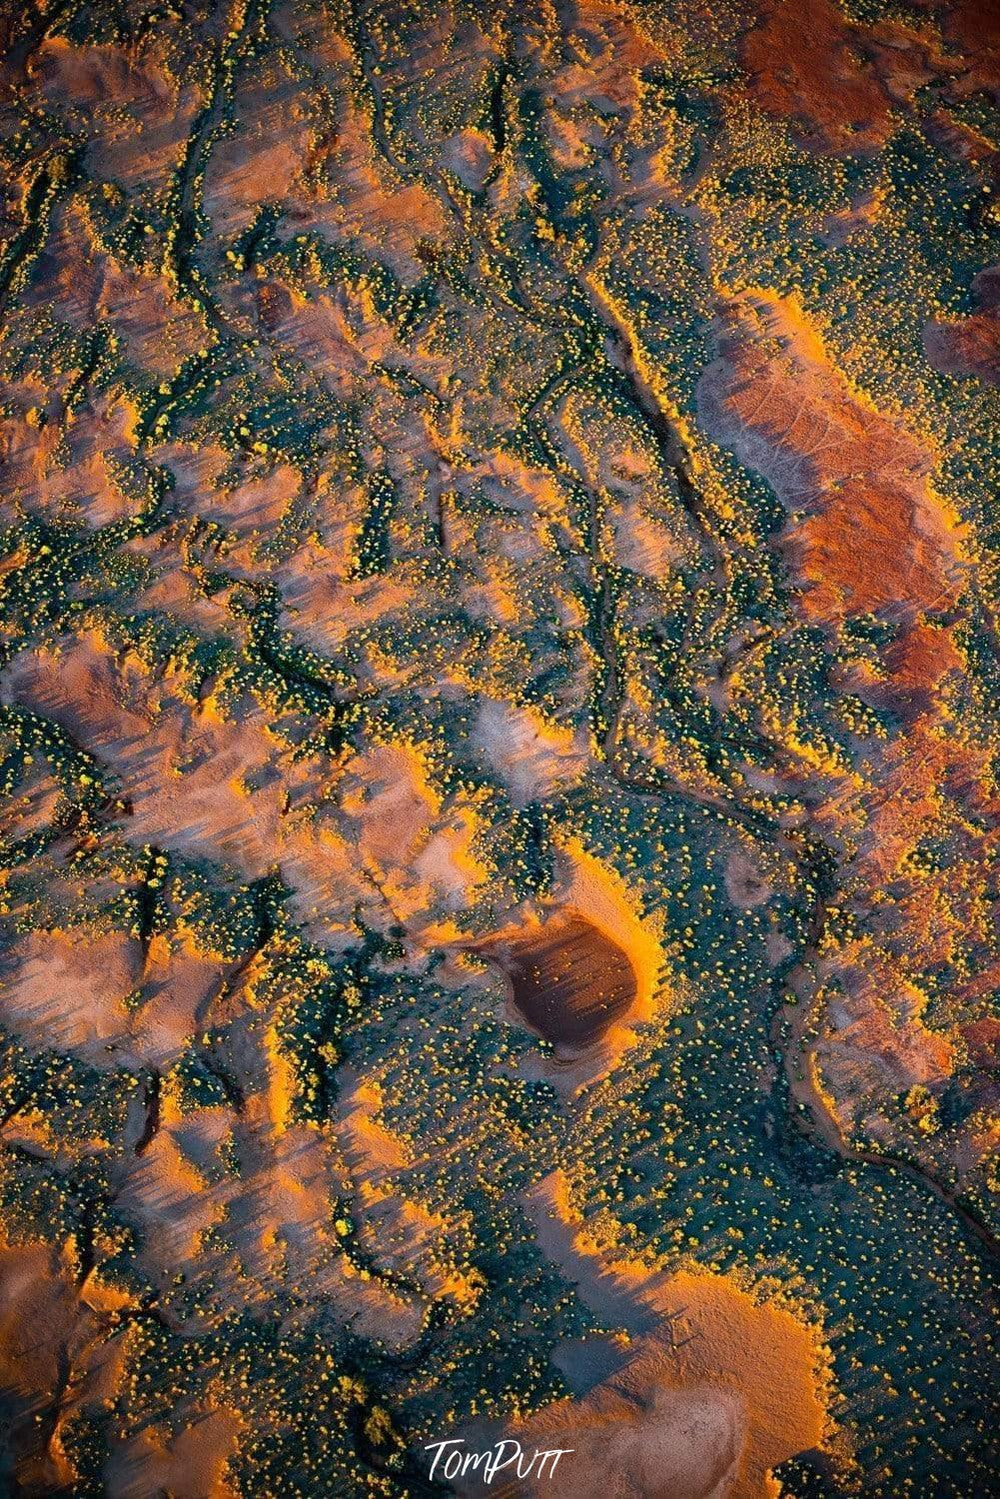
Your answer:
<point x="568" y="980"/>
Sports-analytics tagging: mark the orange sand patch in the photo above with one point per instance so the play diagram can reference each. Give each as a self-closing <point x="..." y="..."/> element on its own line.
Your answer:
<point x="176" y="985"/>
<point x="324" y="608"/>
<point x="319" y="331"/>
<point x="274" y="1214"/>
<point x="144" y="116"/>
<point x="634" y="1436"/>
<point x="870" y="534"/>
<point x="183" y="769"/>
<point x="876" y="1043"/>
<point x="257" y="506"/>
<point x="568" y="141"/>
<point x="31" y="805"/>
<point x="419" y="850"/>
<point x="518" y="486"/>
<point x="907" y="805"/>
<point x="919" y="661"/>
<point x="608" y="50"/>
<point x="84" y="286"/>
<point x="68" y="992"/>
<point x="857" y="553"/>
<point x="470" y="156"/>
<point x="371" y="1149"/>
<point x="874" y="1039"/>
<point x="226" y="790"/>
<point x="643" y="544"/>
<point x="326" y="175"/>
<point x="875" y="535"/>
<point x="757" y="1372"/>
<point x="265" y="160"/>
<point x="100" y="436"/>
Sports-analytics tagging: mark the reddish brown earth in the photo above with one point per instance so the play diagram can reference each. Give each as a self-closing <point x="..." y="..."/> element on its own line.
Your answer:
<point x="569" y="981"/>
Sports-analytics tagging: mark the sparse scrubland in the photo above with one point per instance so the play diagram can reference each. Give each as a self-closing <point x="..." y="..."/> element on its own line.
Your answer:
<point x="499" y="664"/>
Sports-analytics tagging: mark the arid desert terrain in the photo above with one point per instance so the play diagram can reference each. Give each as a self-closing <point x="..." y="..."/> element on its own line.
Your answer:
<point x="499" y="748"/>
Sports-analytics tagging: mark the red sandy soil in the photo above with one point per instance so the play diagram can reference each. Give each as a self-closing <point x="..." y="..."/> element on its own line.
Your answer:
<point x="874" y="535"/>
<point x="868" y="533"/>
<point x="718" y="1385"/>
<point x="970" y="347"/>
